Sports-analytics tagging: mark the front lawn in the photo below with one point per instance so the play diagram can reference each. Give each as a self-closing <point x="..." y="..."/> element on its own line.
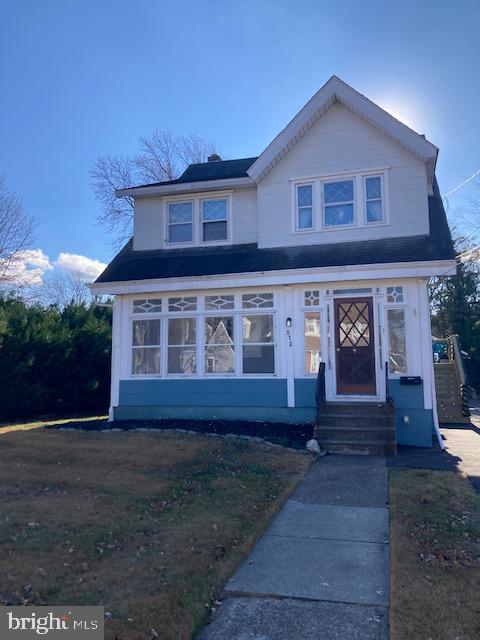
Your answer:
<point x="149" y="525"/>
<point x="435" y="556"/>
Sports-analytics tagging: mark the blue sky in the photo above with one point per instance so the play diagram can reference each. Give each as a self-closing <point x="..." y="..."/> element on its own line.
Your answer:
<point x="83" y="78"/>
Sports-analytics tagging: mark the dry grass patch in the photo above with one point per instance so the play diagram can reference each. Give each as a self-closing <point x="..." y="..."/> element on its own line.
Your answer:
<point x="149" y="525"/>
<point x="8" y="427"/>
<point x="435" y="556"/>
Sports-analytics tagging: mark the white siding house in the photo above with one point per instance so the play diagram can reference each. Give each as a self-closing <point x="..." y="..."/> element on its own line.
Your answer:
<point x="245" y="277"/>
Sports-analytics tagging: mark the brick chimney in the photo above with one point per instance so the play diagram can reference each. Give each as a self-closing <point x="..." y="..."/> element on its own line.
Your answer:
<point x="214" y="158"/>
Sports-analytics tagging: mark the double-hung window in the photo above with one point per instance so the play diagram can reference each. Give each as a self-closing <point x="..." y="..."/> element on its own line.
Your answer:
<point x="214" y="220"/>
<point x="374" y="208"/>
<point x="397" y="341"/>
<point x="219" y="344"/>
<point x="180" y="222"/>
<point x="304" y="207"/>
<point x="182" y="345"/>
<point x="338" y="202"/>
<point x="146" y="347"/>
<point x="312" y="338"/>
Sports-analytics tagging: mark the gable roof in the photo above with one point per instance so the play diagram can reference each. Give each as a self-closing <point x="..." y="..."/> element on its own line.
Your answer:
<point x="248" y="258"/>
<point x="337" y="90"/>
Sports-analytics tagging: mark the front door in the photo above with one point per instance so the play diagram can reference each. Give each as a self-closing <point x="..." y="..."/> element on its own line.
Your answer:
<point x="355" y="357"/>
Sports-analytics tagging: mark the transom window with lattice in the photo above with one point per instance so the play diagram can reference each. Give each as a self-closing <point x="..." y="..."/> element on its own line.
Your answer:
<point x="312" y="298"/>
<point x="219" y="302"/>
<point x="257" y="300"/>
<point x="395" y="294"/>
<point x="184" y="303"/>
<point x="151" y="305"/>
<point x="354" y="324"/>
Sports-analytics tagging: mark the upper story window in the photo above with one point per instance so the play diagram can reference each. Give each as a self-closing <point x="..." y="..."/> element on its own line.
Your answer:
<point x="198" y="221"/>
<point x="304" y="207"/>
<point x="180" y="222"/>
<point x="373" y="199"/>
<point x="338" y="198"/>
<point x="340" y="201"/>
<point x="214" y="220"/>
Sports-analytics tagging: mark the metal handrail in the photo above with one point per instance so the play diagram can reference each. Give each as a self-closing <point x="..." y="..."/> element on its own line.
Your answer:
<point x="388" y="397"/>
<point x="320" y="397"/>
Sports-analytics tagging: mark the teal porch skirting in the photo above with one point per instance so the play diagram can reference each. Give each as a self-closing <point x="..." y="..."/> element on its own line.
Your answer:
<point x="408" y="401"/>
<point x="256" y="399"/>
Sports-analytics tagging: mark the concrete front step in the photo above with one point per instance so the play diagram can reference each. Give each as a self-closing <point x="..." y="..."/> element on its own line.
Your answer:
<point x="367" y="448"/>
<point x="353" y="421"/>
<point x="324" y="434"/>
<point x="354" y="409"/>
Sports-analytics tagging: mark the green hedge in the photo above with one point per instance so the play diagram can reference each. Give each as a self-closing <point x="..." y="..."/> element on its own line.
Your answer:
<point x="53" y="361"/>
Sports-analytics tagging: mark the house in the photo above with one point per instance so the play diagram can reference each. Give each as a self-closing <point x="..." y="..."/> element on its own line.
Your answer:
<point x="243" y="275"/>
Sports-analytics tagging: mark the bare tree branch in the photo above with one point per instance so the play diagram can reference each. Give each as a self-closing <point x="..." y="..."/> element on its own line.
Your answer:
<point x="162" y="156"/>
<point x="61" y="287"/>
<point x="17" y="233"/>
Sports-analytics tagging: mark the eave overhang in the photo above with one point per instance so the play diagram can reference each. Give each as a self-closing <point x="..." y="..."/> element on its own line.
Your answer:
<point x="186" y="187"/>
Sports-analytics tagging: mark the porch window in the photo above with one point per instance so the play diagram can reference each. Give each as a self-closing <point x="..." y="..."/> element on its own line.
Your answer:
<point x="374" y="199"/>
<point x="150" y="305"/>
<point x="180" y="222"/>
<point x="145" y="347"/>
<point x="214" y="220"/>
<point x="258" y="352"/>
<point x="397" y="347"/>
<point x="219" y="345"/>
<point x="338" y="201"/>
<point x="182" y="345"/>
<point x="304" y="207"/>
<point x="312" y="341"/>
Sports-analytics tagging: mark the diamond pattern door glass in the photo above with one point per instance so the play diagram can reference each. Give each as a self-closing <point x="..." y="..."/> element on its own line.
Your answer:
<point x="354" y="324"/>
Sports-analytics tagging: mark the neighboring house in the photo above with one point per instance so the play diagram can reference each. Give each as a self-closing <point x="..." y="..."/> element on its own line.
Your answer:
<point x="243" y="275"/>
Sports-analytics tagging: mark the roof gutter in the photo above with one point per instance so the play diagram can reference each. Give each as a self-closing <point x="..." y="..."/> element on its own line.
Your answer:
<point x="186" y="187"/>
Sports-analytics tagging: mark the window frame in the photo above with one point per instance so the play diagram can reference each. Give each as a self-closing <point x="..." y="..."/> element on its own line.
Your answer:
<point x="354" y="203"/>
<point x="297" y="208"/>
<point x="197" y="200"/>
<point x="305" y="311"/>
<point x="359" y="199"/>
<point x="374" y="223"/>
<point x="202" y="221"/>
<point x="136" y="317"/>
<point x="200" y="315"/>
<point x="169" y="224"/>
<point x="404" y="309"/>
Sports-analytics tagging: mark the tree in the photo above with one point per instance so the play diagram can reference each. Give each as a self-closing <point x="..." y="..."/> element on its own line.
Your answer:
<point x="456" y="309"/>
<point x="61" y="288"/>
<point x="162" y="156"/>
<point x="17" y="231"/>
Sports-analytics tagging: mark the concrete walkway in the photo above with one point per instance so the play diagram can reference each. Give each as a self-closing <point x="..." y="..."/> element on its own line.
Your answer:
<point x="321" y="570"/>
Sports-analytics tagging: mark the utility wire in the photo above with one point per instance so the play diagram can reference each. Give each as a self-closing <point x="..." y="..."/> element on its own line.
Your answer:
<point x="462" y="184"/>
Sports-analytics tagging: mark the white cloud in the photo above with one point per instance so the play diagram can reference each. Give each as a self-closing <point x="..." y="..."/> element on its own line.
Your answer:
<point x="28" y="268"/>
<point x="86" y="268"/>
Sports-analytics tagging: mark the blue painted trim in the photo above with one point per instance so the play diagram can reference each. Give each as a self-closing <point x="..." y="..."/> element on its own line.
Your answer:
<point x="218" y="392"/>
<point x="253" y="414"/>
<point x="305" y="392"/>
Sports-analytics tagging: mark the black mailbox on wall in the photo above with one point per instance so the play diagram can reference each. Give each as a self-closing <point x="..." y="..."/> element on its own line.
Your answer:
<point x="410" y="380"/>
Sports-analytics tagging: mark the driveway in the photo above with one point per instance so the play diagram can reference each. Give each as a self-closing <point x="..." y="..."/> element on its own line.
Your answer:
<point x="321" y="570"/>
<point x="461" y="454"/>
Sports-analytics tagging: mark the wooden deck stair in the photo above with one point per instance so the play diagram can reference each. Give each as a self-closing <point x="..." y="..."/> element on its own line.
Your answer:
<point x="356" y="428"/>
<point x="451" y="405"/>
